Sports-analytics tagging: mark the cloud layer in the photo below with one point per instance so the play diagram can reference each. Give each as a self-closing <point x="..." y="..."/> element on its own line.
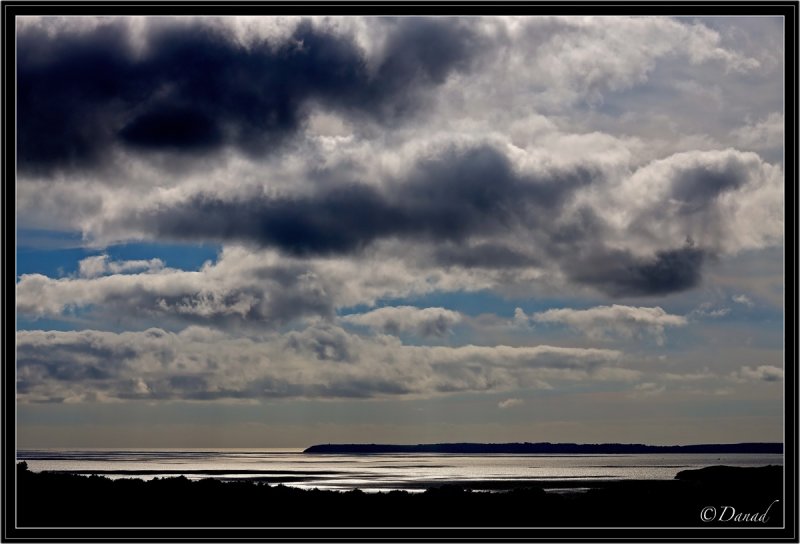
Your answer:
<point x="334" y="138"/>
<point x="371" y="182"/>
<point x="317" y="362"/>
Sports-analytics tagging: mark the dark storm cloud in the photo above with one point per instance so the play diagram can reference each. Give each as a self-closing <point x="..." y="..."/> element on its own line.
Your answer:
<point x="420" y="51"/>
<point x="618" y="273"/>
<point x="339" y="221"/>
<point x="483" y="255"/>
<point x="194" y="89"/>
<point x="449" y="201"/>
<point x="65" y="91"/>
<point x="449" y="198"/>
<point x="166" y="127"/>
<point x="696" y="187"/>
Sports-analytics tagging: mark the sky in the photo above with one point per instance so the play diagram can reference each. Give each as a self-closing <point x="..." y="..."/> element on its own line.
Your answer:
<point x="266" y="232"/>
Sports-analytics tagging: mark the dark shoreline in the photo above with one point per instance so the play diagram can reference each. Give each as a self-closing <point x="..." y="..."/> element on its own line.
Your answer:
<point x="63" y="500"/>
<point x="286" y="476"/>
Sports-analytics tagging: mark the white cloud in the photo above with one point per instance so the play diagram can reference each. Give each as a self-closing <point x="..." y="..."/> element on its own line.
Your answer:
<point x="743" y="299"/>
<point x="726" y="201"/>
<point x="766" y="373"/>
<point x="648" y="389"/>
<point x="689" y="377"/>
<point x="707" y="309"/>
<point x="99" y="265"/>
<point x="394" y="320"/>
<point x="509" y="403"/>
<point x="92" y="267"/>
<point x="581" y="58"/>
<point x="616" y="320"/>
<point x="521" y="319"/>
<point x="260" y="287"/>
<point x="764" y="134"/>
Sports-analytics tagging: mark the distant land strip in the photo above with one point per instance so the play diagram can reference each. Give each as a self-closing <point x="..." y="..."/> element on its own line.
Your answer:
<point x="544" y="448"/>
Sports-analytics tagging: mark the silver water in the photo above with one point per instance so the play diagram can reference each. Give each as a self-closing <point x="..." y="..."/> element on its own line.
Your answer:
<point x="378" y="472"/>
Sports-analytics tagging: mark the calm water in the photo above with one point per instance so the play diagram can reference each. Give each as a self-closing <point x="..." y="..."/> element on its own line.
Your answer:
<point x="379" y="472"/>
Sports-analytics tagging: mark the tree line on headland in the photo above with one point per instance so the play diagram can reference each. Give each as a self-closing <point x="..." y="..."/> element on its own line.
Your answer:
<point x="545" y="448"/>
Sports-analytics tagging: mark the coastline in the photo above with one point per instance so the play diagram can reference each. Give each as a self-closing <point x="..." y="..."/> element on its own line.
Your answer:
<point x="56" y="500"/>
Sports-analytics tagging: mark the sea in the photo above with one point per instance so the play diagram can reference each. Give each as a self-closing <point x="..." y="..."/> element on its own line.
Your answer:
<point x="383" y="472"/>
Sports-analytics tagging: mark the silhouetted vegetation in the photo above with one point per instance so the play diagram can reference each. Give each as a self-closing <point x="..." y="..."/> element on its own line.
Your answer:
<point x="53" y="499"/>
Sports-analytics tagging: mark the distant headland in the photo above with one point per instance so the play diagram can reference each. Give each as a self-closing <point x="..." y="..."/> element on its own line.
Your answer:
<point x="544" y="448"/>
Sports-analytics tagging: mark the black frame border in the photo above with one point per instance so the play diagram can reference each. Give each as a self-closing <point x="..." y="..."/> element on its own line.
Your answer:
<point x="13" y="8"/>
